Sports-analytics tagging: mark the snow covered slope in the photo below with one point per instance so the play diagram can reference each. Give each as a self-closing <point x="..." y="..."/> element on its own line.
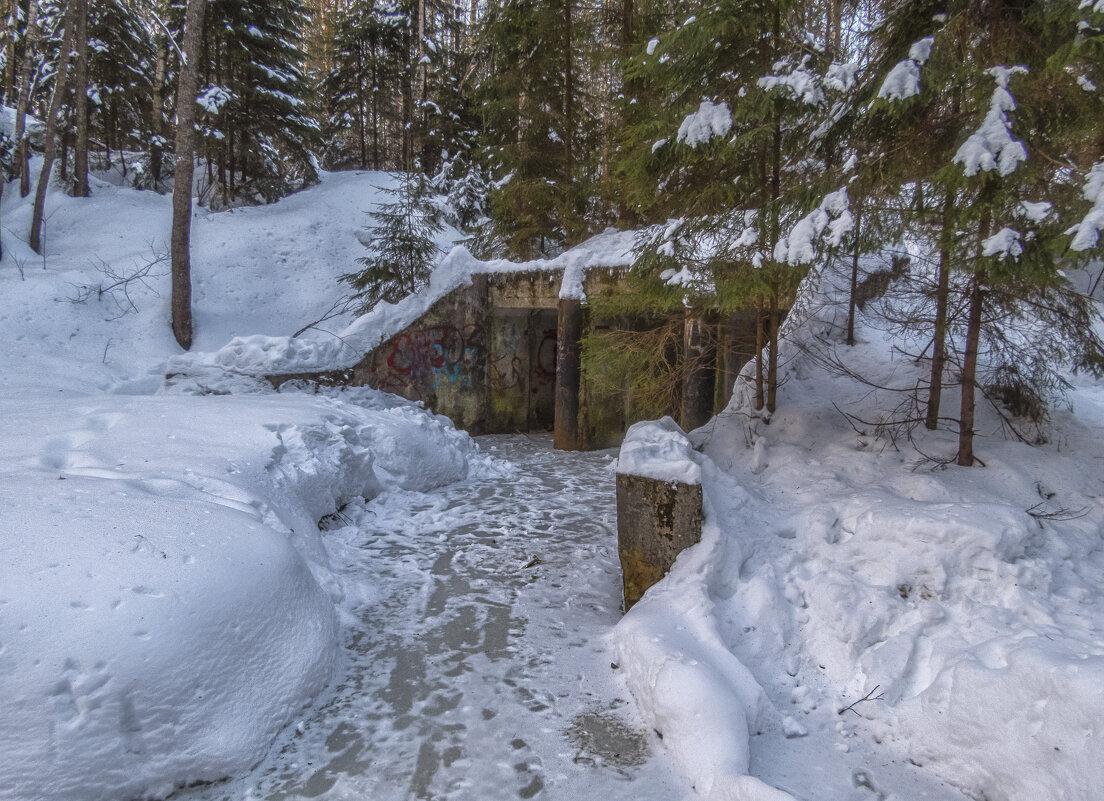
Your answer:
<point x="166" y="602"/>
<point x="915" y="631"/>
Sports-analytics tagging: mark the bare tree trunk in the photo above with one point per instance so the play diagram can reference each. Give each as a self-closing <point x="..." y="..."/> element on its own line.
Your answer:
<point x="30" y="38"/>
<point x="49" y="150"/>
<point x="833" y="29"/>
<point x="157" y="113"/>
<point x="969" y="372"/>
<point x="361" y="111"/>
<point x="423" y="68"/>
<point x="760" y="343"/>
<point x="8" y="36"/>
<point x="185" y="170"/>
<point x="79" y="187"/>
<point x="854" y="281"/>
<point x="970" y="357"/>
<point x="939" y="341"/>
<point x="772" y="364"/>
<point x="406" y="89"/>
<point x="569" y="120"/>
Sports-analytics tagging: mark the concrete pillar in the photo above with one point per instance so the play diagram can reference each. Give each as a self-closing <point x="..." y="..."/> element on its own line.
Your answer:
<point x="656" y="521"/>
<point x="698" y="381"/>
<point x="569" y="335"/>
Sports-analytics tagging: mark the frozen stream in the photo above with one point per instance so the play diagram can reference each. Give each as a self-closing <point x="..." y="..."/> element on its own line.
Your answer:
<point x="475" y="661"/>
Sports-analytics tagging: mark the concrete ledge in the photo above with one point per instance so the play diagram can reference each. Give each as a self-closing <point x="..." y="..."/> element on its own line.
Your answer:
<point x="656" y="521"/>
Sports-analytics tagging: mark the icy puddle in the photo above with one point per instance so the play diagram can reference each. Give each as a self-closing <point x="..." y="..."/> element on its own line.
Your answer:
<point x="475" y="661"/>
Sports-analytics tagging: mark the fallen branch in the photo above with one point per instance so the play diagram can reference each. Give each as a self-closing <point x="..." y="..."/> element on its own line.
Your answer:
<point x="868" y="697"/>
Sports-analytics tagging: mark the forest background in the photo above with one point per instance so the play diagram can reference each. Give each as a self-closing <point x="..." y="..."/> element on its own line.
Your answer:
<point x="748" y="141"/>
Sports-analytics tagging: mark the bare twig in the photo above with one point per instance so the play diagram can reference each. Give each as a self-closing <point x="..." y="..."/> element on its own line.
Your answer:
<point x="341" y="306"/>
<point x="868" y="697"/>
<point x="117" y="285"/>
<point x="1038" y="512"/>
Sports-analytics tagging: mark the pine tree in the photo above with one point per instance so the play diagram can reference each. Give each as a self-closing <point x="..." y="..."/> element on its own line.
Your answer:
<point x="257" y="124"/>
<point x="976" y="115"/>
<point x="366" y="59"/>
<point x="721" y="136"/>
<point x="401" y="242"/>
<point x="531" y="104"/>
<point x="120" y="89"/>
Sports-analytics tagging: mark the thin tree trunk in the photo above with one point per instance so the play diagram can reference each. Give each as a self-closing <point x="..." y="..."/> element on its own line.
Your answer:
<point x="970" y="357"/>
<point x="772" y="363"/>
<point x="939" y="341"/>
<point x="185" y="169"/>
<point x="760" y="343"/>
<point x="30" y="38"/>
<point x="969" y="373"/>
<point x="361" y="112"/>
<point x="79" y="187"/>
<point x="423" y="68"/>
<point x="833" y="29"/>
<point x="11" y="25"/>
<point x="49" y="150"/>
<point x="406" y="87"/>
<point x="157" y="113"/>
<point x="854" y="281"/>
<point x="569" y="119"/>
<point x="375" y="121"/>
<point x="63" y="166"/>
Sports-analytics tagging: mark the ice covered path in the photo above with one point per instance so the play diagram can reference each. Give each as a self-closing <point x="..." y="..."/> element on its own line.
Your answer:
<point x="476" y="663"/>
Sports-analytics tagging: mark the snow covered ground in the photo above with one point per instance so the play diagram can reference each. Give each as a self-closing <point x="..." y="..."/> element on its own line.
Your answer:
<point x="167" y="603"/>
<point x="475" y="658"/>
<point x="859" y="623"/>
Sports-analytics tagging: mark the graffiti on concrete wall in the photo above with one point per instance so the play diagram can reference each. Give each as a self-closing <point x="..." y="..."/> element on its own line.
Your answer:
<point x="545" y="367"/>
<point x="430" y="357"/>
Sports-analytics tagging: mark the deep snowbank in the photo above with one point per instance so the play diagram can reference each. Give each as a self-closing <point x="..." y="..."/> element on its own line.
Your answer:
<point x="166" y="602"/>
<point x="160" y="620"/>
<point x="836" y="567"/>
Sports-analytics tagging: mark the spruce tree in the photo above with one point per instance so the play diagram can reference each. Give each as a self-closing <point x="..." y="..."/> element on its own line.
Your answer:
<point x="976" y="114"/>
<point x="401" y="242"/>
<point x="725" y="145"/>
<point x="531" y="103"/>
<point x="120" y="74"/>
<point x="257" y="125"/>
<point x="366" y="59"/>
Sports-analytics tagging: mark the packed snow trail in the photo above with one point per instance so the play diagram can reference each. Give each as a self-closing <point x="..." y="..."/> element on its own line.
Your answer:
<point x="476" y="659"/>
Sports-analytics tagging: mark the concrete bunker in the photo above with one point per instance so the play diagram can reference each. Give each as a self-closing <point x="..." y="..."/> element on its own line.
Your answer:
<point x="504" y="355"/>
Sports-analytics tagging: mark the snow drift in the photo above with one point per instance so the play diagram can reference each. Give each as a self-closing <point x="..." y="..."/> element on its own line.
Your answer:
<point x="166" y="600"/>
<point x="864" y="618"/>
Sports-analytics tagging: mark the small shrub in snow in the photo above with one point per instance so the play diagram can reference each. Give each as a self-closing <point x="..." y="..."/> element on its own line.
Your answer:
<point x="401" y="245"/>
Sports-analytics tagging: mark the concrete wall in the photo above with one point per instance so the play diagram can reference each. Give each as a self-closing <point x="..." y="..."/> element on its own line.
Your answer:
<point x="486" y="357"/>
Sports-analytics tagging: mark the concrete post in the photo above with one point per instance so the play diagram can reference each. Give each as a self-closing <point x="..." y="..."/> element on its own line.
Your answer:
<point x="656" y="521"/>
<point x="569" y="335"/>
<point x="698" y="381"/>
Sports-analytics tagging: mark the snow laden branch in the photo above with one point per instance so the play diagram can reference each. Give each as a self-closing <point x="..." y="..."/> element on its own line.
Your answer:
<point x="711" y="119"/>
<point x="1086" y="234"/>
<point x="831" y="220"/>
<point x="903" y="81"/>
<point x="992" y="147"/>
